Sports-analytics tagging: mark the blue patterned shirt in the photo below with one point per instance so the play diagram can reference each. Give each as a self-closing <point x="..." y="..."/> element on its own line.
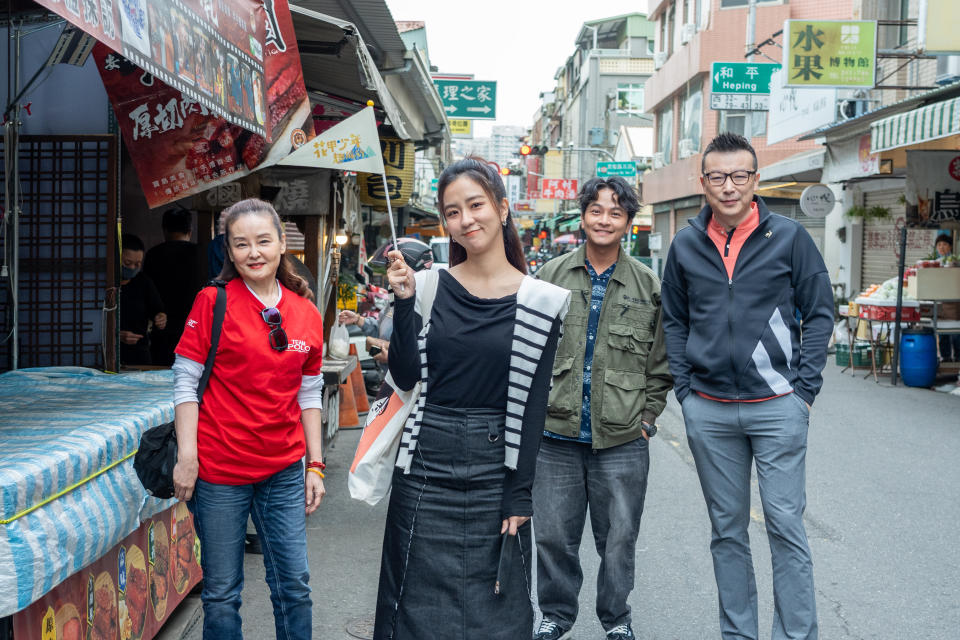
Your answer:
<point x="598" y="285"/>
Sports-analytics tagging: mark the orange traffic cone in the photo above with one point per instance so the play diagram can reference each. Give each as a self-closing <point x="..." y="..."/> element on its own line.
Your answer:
<point x="359" y="389"/>
<point x="348" y="407"/>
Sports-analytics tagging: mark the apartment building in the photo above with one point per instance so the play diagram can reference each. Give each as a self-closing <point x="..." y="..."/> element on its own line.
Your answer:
<point x="690" y="36"/>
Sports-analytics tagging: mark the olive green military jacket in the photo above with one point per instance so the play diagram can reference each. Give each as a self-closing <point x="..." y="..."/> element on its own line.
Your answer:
<point x="630" y="377"/>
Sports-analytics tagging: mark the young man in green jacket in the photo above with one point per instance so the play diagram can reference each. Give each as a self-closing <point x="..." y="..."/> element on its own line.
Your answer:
<point x="610" y="382"/>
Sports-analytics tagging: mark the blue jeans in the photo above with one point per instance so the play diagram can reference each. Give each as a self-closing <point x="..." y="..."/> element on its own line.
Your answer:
<point x="725" y="439"/>
<point x="613" y="482"/>
<point x="220" y="515"/>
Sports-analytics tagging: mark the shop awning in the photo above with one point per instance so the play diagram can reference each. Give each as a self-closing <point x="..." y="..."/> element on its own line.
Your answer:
<point x="570" y="225"/>
<point x="805" y="166"/>
<point x="933" y="121"/>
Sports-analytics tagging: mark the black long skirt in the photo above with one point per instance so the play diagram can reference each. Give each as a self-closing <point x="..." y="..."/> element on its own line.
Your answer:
<point x="442" y="544"/>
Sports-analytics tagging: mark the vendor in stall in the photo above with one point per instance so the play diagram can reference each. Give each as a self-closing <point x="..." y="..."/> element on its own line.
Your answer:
<point x="140" y="304"/>
<point x="949" y="342"/>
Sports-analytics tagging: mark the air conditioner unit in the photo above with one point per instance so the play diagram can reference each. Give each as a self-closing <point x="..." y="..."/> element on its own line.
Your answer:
<point x="948" y="69"/>
<point x="687" y="32"/>
<point x="686" y="148"/>
<point x="658" y="160"/>
<point x="659" y="59"/>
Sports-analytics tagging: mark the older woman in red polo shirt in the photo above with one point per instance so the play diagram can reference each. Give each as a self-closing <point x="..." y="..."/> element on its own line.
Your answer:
<point x="240" y="451"/>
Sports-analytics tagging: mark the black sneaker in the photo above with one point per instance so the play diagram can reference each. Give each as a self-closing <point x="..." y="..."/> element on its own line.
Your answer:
<point x="621" y="632"/>
<point x="550" y="630"/>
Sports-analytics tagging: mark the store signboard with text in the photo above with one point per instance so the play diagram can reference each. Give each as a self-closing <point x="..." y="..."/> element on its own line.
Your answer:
<point x="933" y="188"/>
<point x="461" y="128"/>
<point x="180" y="146"/>
<point x="211" y="52"/>
<point x="558" y="189"/>
<point x="794" y="111"/>
<point x="830" y="53"/>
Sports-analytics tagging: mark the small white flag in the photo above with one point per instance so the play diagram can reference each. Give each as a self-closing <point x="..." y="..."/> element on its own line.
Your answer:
<point x="352" y="145"/>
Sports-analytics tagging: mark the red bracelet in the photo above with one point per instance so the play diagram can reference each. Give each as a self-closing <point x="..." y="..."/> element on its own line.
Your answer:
<point x="316" y="464"/>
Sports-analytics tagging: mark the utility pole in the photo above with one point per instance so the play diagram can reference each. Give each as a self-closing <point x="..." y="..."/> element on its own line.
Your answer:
<point x="751" y="29"/>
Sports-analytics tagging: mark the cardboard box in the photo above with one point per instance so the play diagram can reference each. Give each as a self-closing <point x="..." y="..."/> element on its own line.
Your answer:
<point x="935" y="284"/>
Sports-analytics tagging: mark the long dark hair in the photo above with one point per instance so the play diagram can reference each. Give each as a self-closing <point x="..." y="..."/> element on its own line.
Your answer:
<point x="285" y="271"/>
<point x="478" y="170"/>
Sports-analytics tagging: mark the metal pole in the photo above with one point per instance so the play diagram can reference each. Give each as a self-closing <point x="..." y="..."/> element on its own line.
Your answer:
<point x="14" y="190"/>
<point x="393" y="228"/>
<point x="751" y="29"/>
<point x="895" y="361"/>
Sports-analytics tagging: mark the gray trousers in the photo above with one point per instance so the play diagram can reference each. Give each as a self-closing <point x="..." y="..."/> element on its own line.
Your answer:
<point x="725" y="438"/>
<point x="613" y="483"/>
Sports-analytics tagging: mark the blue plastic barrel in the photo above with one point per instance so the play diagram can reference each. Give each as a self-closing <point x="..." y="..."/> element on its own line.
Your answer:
<point x="918" y="357"/>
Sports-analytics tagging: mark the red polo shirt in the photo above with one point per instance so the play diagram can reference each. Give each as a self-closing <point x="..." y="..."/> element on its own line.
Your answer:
<point x="249" y="424"/>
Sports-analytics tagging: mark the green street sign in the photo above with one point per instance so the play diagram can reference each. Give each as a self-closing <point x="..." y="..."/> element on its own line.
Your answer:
<point x="742" y="77"/>
<point x="624" y="169"/>
<point x="468" y="99"/>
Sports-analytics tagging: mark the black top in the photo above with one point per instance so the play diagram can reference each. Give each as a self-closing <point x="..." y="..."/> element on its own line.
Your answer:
<point x="139" y="303"/>
<point x="468" y="359"/>
<point x="176" y="269"/>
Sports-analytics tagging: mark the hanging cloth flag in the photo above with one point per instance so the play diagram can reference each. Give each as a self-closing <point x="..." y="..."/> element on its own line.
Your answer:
<point x="352" y="145"/>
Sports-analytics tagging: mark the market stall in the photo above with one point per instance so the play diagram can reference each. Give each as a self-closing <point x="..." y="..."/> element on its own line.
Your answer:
<point x="78" y="533"/>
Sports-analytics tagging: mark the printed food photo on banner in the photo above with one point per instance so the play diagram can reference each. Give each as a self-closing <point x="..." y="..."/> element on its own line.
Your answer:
<point x="159" y="568"/>
<point x="68" y="622"/>
<point x="134" y="602"/>
<point x="183" y="543"/>
<point x="102" y="614"/>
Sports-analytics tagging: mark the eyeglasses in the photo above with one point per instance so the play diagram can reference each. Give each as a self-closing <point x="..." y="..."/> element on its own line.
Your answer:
<point x="277" y="336"/>
<point x="718" y="178"/>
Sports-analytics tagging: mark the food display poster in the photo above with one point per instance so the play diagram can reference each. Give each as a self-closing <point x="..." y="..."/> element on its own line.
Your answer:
<point x="180" y="147"/>
<point x="212" y="51"/>
<point x="125" y="595"/>
<point x="932" y="192"/>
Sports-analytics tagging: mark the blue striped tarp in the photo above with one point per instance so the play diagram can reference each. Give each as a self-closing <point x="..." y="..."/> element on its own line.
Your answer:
<point x="58" y="427"/>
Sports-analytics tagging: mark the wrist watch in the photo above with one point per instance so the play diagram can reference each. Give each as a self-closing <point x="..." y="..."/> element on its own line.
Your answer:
<point x="649" y="429"/>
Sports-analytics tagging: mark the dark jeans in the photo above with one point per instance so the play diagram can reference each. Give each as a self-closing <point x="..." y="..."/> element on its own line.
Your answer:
<point x="220" y="515"/>
<point x="613" y="483"/>
<point x="950" y="347"/>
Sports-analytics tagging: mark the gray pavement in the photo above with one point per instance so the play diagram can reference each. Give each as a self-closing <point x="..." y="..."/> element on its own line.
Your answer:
<point x="882" y="517"/>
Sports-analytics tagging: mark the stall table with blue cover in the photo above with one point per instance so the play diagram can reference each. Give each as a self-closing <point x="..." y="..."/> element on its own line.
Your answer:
<point x="68" y="492"/>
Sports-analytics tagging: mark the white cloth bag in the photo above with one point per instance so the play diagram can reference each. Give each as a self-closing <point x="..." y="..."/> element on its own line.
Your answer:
<point x="373" y="463"/>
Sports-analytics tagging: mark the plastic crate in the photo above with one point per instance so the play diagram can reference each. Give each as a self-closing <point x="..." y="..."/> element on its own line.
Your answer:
<point x="884" y="313"/>
<point x="842" y="355"/>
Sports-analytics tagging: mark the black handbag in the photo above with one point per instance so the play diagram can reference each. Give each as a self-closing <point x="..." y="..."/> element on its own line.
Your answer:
<point x="157" y="454"/>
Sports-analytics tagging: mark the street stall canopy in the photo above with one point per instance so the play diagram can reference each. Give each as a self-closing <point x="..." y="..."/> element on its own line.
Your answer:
<point x="937" y="120"/>
<point x="339" y="72"/>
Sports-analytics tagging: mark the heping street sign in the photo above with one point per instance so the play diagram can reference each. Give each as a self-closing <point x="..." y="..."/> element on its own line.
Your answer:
<point x="624" y="169"/>
<point x="742" y="77"/>
<point x="468" y="99"/>
<point x="739" y="101"/>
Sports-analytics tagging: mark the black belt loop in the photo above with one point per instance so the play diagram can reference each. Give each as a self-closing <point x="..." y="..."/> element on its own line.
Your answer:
<point x="493" y="431"/>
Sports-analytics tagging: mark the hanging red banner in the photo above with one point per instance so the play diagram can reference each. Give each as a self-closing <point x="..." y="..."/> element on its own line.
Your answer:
<point x="180" y="146"/>
<point x="211" y="51"/>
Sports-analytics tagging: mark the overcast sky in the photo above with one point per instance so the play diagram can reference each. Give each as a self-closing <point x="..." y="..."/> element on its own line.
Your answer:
<point x="518" y="43"/>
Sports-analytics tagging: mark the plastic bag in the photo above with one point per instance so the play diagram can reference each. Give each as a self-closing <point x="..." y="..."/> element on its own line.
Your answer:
<point x="339" y="342"/>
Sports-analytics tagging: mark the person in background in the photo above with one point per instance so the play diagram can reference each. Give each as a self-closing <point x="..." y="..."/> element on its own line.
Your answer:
<point x="457" y="545"/>
<point x="174" y="266"/>
<point x="239" y="453"/>
<point x="610" y="382"/>
<point x="140" y="304"/>
<point x="949" y="342"/>
<point x="745" y="381"/>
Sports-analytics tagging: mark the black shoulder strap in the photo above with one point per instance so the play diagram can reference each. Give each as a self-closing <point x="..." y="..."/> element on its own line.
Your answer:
<point x="218" y="312"/>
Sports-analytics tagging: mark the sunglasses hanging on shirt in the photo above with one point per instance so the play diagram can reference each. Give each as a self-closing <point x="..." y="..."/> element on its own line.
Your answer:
<point x="277" y="336"/>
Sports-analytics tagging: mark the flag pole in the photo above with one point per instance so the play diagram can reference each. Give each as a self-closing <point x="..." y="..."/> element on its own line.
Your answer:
<point x="393" y="228"/>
